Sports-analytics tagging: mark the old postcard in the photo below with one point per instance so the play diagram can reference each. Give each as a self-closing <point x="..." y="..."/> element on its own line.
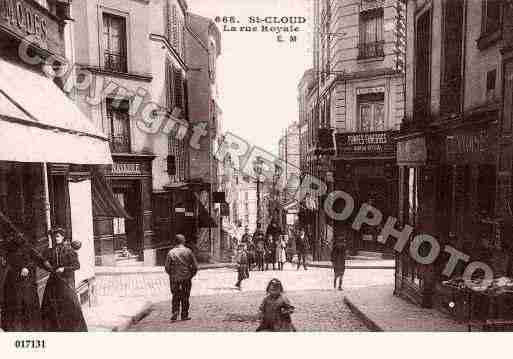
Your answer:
<point x="255" y="166"/>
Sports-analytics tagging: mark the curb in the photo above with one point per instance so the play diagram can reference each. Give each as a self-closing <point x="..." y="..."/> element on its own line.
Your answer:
<point x="159" y="270"/>
<point x="369" y="323"/>
<point x="145" y="310"/>
<point x="350" y="266"/>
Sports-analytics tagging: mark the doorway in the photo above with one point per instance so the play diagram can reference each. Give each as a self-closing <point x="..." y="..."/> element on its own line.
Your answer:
<point x="128" y="235"/>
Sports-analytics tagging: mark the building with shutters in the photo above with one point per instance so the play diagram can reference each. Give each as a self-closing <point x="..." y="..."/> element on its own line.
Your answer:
<point x="359" y="74"/>
<point x="133" y="52"/>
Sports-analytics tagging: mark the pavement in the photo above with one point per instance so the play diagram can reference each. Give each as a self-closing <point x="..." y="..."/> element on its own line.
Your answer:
<point x="381" y="311"/>
<point x="123" y="299"/>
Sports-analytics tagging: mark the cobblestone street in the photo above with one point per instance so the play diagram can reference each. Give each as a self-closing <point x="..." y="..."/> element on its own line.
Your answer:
<point x="316" y="310"/>
<point x="217" y="306"/>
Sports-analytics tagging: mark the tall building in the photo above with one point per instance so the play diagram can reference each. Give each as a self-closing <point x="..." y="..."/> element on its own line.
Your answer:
<point x="289" y="151"/>
<point x="454" y="149"/>
<point x="134" y="54"/>
<point x="203" y="46"/>
<point x="360" y="97"/>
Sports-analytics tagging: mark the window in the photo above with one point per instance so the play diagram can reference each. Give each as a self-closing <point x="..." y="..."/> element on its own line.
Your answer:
<point x="371" y="113"/>
<point x="490" y="84"/>
<point x="43" y="3"/>
<point x="486" y="194"/>
<point x="177" y="150"/>
<point x="450" y="91"/>
<point x="371" y="34"/>
<point x="118" y="125"/>
<point x="423" y="66"/>
<point x="114" y="43"/>
<point x="491" y="16"/>
<point x="119" y="223"/>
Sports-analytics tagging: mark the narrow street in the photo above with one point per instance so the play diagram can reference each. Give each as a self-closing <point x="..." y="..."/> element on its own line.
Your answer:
<point x="217" y="306"/>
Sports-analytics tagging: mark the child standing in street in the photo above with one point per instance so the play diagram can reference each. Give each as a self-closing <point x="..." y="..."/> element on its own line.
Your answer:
<point x="275" y="310"/>
<point x="241" y="258"/>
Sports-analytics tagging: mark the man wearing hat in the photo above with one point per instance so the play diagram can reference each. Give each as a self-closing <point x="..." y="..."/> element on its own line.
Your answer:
<point x="181" y="265"/>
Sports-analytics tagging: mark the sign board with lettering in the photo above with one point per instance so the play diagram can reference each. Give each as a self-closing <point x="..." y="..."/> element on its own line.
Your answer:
<point x="476" y="146"/>
<point x="364" y="142"/>
<point x="120" y="168"/>
<point x="26" y="20"/>
<point x="412" y="151"/>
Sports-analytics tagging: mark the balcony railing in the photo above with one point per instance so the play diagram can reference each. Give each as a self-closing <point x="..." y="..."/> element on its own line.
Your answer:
<point x="115" y="62"/>
<point x="371" y="49"/>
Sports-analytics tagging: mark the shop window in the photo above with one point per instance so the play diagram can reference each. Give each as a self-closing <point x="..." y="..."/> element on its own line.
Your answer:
<point x="114" y="43"/>
<point x="486" y="192"/>
<point x="118" y="126"/>
<point x="491" y="18"/>
<point x="413" y="195"/>
<point x="59" y="201"/>
<point x="371" y="113"/>
<point x="491" y="77"/>
<point x="371" y="34"/>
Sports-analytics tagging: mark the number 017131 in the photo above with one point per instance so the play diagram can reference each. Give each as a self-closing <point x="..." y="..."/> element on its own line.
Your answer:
<point x="30" y="344"/>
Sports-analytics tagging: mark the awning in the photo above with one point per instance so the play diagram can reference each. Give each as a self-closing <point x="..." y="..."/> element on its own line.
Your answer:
<point x="105" y="203"/>
<point x="39" y="123"/>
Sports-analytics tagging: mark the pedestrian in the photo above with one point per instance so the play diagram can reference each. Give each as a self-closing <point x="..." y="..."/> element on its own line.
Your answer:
<point x="275" y="310"/>
<point x="302" y="247"/>
<point x="242" y="265"/>
<point x="260" y="254"/>
<point x="21" y="311"/>
<point x="338" y="259"/>
<point x="61" y="310"/>
<point x="181" y="265"/>
<point x="250" y="251"/>
<point x="281" y="245"/>
<point x="270" y="252"/>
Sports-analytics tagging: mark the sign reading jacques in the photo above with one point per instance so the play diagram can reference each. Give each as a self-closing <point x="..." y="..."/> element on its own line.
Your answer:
<point x="364" y="142"/>
<point x="26" y="20"/>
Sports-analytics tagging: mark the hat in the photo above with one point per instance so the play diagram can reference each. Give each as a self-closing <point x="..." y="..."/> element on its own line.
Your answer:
<point x="274" y="283"/>
<point x="56" y="230"/>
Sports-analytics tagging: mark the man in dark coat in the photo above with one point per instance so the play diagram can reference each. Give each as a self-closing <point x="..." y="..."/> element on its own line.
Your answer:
<point x="181" y="265"/>
<point x="21" y="311"/>
<point x="302" y="248"/>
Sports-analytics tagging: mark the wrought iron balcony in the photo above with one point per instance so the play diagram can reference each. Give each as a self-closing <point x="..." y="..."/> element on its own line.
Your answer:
<point x="115" y="62"/>
<point x="370" y="50"/>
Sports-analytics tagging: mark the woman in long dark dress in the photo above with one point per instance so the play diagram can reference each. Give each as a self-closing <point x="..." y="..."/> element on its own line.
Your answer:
<point x="61" y="310"/>
<point x="338" y="259"/>
<point x="21" y="311"/>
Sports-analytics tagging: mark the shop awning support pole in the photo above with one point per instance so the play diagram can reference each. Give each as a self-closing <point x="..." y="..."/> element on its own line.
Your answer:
<point x="47" y="203"/>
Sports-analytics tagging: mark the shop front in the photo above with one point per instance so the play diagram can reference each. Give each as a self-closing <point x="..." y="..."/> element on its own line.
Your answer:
<point x="448" y="180"/>
<point x="183" y="208"/>
<point x="123" y="240"/>
<point x="365" y="167"/>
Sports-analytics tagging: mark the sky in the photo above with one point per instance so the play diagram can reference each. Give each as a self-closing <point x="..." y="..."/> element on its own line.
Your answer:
<point x="258" y="75"/>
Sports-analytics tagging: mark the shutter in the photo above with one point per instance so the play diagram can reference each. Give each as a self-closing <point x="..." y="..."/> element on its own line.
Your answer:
<point x="175" y="28"/>
<point x="178" y="88"/>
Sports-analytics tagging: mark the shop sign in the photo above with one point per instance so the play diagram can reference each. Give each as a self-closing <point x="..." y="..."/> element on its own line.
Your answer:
<point x="24" y="19"/>
<point x="470" y="146"/>
<point x="364" y="142"/>
<point x="370" y="90"/>
<point x="180" y="210"/>
<point x="126" y="168"/>
<point x="412" y="151"/>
